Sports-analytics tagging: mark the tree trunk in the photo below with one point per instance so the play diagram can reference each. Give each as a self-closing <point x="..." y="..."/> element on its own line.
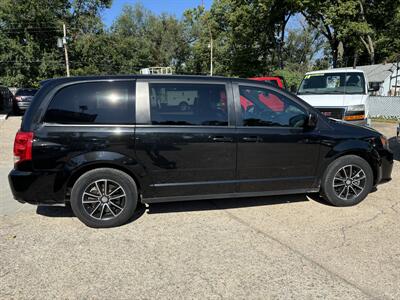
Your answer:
<point x="281" y="40"/>
<point x="334" y="47"/>
<point x="369" y="44"/>
<point x="372" y="50"/>
<point x="355" y="59"/>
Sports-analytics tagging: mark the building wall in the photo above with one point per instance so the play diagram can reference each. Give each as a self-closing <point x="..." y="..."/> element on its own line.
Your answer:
<point x="386" y="87"/>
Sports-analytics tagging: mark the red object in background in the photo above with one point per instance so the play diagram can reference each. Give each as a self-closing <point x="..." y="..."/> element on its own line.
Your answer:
<point x="273" y="80"/>
<point x="245" y="103"/>
<point x="272" y="101"/>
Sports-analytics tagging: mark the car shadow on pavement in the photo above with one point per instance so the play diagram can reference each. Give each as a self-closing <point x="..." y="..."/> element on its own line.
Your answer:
<point x="394" y="145"/>
<point x="66" y="212"/>
<point x="55" y="211"/>
<point x="200" y="205"/>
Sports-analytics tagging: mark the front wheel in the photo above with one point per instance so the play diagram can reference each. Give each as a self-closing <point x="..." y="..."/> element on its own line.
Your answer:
<point x="347" y="181"/>
<point x="104" y="197"/>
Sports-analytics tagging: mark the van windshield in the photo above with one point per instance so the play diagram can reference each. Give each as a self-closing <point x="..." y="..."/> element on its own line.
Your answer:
<point x="333" y="83"/>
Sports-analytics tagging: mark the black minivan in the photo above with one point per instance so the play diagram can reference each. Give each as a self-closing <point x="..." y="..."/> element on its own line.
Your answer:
<point x="103" y="144"/>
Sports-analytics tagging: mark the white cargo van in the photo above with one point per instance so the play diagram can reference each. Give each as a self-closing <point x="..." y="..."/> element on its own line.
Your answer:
<point x="337" y="93"/>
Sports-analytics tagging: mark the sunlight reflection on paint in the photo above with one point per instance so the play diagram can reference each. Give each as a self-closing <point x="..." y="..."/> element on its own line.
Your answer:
<point x="113" y="98"/>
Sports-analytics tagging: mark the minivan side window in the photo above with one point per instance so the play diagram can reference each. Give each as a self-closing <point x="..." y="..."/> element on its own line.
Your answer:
<point x="264" y="107"/>
<point x="188" y="104"/>
<point x="105" y="102"/>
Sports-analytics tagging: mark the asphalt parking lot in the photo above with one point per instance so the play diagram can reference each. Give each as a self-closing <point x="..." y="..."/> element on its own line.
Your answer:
<point x="285" y="247"/>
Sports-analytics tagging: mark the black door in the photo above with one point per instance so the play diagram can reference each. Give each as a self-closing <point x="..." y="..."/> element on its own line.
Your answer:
<point x="275" y="150"/>
<point x="188" y="147"/>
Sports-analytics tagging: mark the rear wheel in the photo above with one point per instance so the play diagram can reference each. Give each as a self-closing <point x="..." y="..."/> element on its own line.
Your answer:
<point x="347" y="181"/>
<point x="104" y="198"/>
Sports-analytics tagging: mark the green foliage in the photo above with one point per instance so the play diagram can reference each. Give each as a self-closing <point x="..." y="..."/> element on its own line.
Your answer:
<point x="29" y="32"/>
<point x="292" y="78"/>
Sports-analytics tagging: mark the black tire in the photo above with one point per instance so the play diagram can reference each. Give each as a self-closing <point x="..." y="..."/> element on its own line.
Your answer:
<point x="331" y="185"/>
<point x="104" y="179"/>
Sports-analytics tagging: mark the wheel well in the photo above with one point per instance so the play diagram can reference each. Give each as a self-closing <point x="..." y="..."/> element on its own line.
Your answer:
<point x="367" y="158"/>
<point x="79" y="173"/>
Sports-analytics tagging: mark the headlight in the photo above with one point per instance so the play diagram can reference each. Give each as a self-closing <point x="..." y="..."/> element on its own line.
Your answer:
<point x="355" y="112"/>
<point x="360" y="107"/>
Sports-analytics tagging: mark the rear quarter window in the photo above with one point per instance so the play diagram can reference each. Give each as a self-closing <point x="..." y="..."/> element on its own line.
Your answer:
<point x="93" y="103"/>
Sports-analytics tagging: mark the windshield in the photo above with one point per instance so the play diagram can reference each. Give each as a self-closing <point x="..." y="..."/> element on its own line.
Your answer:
<point x="333" y="83"/>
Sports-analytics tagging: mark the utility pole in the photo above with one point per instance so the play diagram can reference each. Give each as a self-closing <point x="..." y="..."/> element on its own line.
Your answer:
<point x="210" y="45"/>
<point x="397" y="77"/>
<point x="65" y="49"/>
<point x="211" y="54"/>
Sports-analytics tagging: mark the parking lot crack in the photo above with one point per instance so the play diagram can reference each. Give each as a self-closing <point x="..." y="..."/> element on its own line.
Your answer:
<point x="393" y="207"/>
<point x="333" y="274"/>
<point x="344" y="229"/>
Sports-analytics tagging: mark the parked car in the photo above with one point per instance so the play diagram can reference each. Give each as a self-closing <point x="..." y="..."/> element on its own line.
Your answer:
<point x="22" y="100"/>
<point x="338" y="93"/>
<point x="104" y="144"/>
<point x="6" y="98"/>
<point x="277" y="81"/>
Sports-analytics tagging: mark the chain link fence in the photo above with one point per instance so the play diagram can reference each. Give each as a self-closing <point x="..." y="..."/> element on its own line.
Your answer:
<point x="384" y="107"/>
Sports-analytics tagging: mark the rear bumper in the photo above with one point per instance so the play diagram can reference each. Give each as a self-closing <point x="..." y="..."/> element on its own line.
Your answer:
<point x="34" y="188"/>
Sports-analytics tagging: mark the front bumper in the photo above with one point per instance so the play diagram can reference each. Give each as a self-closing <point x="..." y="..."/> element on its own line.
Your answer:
<point x="23" y="105"/>
<point x="385" y="167"/>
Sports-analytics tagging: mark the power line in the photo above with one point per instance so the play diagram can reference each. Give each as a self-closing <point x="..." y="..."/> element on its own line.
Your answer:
<point x="16" y="30"/>
<point x="31" y="27"/>
<point x="76" y="63"/>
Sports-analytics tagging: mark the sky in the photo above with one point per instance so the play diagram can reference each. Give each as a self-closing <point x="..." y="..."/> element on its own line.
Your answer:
<point x="174" y="7"/>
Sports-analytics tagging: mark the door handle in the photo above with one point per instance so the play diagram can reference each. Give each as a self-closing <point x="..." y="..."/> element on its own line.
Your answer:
<point x="251" y="139"/>
<point x="222" y="139"/>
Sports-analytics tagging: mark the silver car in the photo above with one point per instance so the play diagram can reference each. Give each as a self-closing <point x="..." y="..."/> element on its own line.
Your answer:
<point x="22" y="100"/>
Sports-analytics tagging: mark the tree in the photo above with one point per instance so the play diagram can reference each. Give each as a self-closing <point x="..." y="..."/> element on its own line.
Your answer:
<point x="28" y="36"/>
<point x="251" y="32"/>
<point x="359" y="27"/>
<point x="147" y="40"/>
<point x="331" y="18"/>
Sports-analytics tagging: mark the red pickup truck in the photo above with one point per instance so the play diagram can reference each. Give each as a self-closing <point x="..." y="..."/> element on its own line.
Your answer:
<point x="277" y="81"/>
<point x="270" y="100"/>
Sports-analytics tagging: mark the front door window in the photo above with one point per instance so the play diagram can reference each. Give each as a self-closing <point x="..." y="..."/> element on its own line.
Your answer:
<point x="266" y="108"/>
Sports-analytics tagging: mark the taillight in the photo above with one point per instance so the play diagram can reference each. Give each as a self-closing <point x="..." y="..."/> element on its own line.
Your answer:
<point x="18" y="98"/>
<point x="23" y="146"/>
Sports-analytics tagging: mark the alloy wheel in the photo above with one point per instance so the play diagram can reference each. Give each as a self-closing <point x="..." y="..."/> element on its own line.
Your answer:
<point x="349" y="182"/>
<point x="104" y="199"/>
